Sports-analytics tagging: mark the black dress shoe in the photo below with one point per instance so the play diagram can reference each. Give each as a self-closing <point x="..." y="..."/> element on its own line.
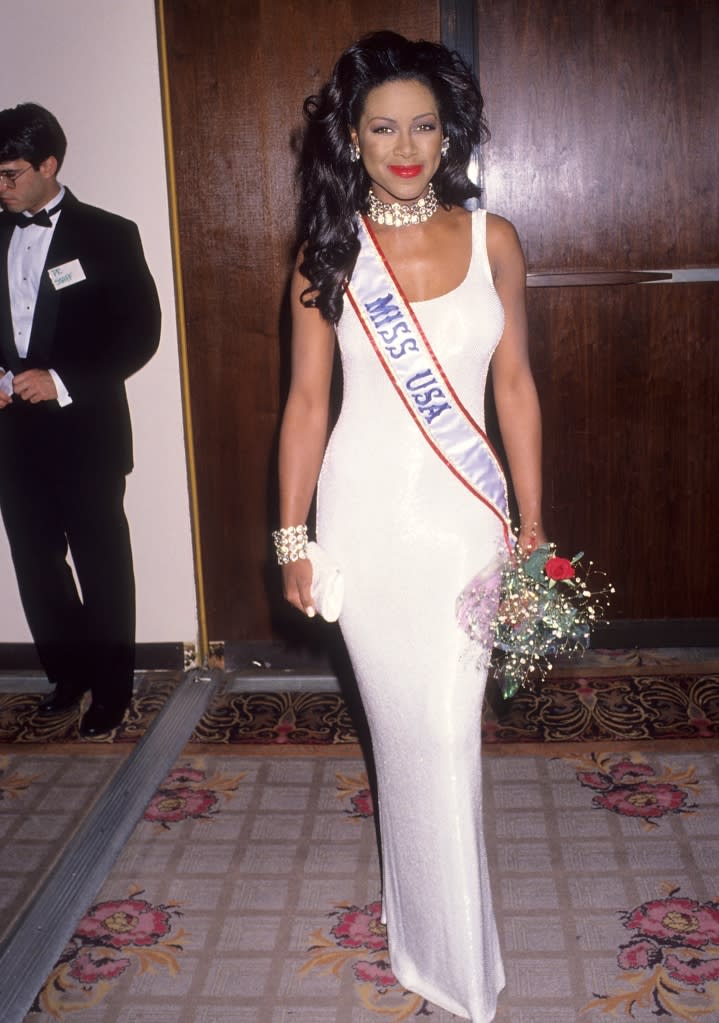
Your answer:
<point x="100" y="719"/>
<point x="58" y="702"/>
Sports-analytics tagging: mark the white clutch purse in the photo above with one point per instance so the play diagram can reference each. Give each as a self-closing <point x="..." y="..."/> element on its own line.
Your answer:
<point x="328" y="586"/>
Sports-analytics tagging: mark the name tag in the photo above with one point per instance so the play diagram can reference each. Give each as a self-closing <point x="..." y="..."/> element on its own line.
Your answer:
<point x="66" y="274"/>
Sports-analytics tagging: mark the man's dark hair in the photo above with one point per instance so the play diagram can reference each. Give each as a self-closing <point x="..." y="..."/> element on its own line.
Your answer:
<point x="30" y="132"/>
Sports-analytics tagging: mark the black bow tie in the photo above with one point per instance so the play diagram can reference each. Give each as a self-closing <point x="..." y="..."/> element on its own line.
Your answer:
<point x="42" y="219"/>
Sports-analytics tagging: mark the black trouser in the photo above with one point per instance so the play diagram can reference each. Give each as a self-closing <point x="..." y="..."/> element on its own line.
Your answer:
<point x="84" y="641"/>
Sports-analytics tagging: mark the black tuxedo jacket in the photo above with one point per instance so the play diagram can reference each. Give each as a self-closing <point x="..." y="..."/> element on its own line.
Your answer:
<point x="95" y="333"/>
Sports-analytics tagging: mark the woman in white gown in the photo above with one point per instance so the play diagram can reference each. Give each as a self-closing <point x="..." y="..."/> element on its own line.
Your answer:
<point x="399" y="510"/>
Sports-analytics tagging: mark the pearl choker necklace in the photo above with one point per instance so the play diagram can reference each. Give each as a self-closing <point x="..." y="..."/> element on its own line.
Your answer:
<point x="397" y="214"/>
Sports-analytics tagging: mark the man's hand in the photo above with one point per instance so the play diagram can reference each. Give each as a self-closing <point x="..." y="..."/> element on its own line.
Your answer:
<point x="35" y="385"/>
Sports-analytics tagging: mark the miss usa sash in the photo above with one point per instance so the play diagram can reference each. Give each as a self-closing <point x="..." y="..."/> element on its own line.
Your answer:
<point x="409" y="361"/>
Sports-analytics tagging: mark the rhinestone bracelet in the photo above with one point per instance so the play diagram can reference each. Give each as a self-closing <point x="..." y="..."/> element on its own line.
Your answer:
<point x="290" y="543"/>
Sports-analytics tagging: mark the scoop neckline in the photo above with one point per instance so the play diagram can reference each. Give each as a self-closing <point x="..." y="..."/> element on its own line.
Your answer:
<point x="457" y="287"/>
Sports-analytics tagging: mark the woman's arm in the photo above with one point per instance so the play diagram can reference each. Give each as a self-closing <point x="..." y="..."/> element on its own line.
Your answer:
<point x="303" y="435"/>
<point x="515" y="393"/>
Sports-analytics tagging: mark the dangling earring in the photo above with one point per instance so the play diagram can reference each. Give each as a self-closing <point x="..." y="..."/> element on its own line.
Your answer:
<point x="444" y="149"/>
<point x="354" y="152"/>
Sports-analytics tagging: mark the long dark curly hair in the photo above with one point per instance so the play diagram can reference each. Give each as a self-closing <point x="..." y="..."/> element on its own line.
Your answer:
<point x="334" y="189"/>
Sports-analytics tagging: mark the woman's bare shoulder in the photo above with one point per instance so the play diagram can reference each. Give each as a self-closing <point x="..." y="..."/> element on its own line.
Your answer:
<point x="500" y="230"/>
<point x="503" y="245"/>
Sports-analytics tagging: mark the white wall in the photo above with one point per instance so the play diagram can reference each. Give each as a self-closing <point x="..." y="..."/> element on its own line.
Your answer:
<point x="94" y="63"/>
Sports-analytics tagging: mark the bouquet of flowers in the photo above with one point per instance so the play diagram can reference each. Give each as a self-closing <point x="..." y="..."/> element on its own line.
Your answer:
<point x="530" y="610"/>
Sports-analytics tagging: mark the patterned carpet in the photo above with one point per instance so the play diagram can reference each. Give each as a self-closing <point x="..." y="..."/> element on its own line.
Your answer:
<point x="249" y="892"/>
<point x="617" y="696"/>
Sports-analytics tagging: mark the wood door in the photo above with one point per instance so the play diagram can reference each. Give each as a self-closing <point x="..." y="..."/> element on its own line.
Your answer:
<point x="605" y="155"/>
<point x="238" y="73"/>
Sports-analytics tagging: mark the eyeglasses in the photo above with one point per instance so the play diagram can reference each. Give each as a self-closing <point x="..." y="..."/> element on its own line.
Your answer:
<point x="9" y="177"/>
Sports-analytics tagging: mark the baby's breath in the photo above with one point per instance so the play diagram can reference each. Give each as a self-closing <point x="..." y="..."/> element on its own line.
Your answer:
<point x="530" y="611"/>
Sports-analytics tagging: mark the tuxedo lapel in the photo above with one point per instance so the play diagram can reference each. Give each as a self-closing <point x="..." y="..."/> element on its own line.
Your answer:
<point x="62" y="250"/>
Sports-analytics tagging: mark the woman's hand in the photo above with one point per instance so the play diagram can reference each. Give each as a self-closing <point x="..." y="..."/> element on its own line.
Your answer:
<point x="530" y="537"/>
<point x="297" y="582"/>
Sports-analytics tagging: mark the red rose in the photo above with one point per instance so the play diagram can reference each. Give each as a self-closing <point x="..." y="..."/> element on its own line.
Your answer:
<point x="559" y="568"/>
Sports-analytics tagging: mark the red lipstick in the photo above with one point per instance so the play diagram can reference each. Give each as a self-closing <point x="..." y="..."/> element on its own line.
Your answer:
<point x="406" y="170"/>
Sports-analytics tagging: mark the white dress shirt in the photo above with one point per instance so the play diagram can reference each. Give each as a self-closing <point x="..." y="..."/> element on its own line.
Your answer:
<point x="25" y="261"/>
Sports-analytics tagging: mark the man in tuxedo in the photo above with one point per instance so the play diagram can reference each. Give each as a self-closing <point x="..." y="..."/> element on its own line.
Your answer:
<point x="79" y="314"/>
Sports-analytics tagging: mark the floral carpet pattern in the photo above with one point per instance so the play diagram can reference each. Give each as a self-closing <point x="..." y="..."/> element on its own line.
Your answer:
<point x="291" y="718"/>
<point x="587" y="704"/>
<point x="358" y="939"/>
<point x="20" y="724"/>
<point x="116" y="934"/>
<point x="610" y="695"/>
<point x="250" y="892"/>
<point x="634" y="706"/>
<point x="111" y="938"/>
<point x="671" y="960"/>
<point x="628" y="785"/>
<point x="190" y="793"/>
<point x="355" y="791"/>
<point x="13" y="783"/>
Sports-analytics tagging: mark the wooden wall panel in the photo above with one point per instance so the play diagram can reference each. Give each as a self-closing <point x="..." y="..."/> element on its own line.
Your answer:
<point x="605" y="155"/>
<point x="605" y="148"/>
<point x="629" y="378"/>
<point x="239" y="72"/>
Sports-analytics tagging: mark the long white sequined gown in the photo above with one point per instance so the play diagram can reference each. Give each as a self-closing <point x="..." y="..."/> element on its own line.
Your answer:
<point x="408" y="537"/>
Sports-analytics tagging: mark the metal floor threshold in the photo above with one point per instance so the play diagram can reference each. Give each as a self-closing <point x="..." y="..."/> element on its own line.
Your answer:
<point x="35" y="681"/>
<point x="41" y="931"/>
<point x="280" y="681"/>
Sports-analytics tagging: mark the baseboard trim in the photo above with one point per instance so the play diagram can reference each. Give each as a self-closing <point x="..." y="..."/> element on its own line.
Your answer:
<point x="622" y="634"/>
<point x="150" y="657"/>
<point x="252" y="659"/>
<point x="652" y="633"/>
